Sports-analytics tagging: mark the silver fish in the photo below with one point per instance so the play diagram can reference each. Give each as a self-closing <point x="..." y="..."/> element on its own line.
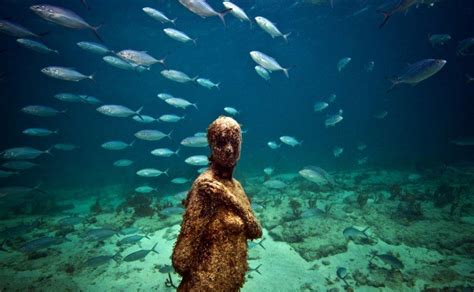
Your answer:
<point x="268" y="62"/>
<point x="118" y="111"/>
<point x="262" y="72"/>
<point x="94" y="48"/>
<point x="208" y="83"/>
<point x="19" y="165"/>
<point x="158" y="15"/>
<point x="123" y="163"/>
<point x="171" y="118"/>
<point x="180" y="103"/>
<point x="39" y="132"/>
<point x="69" y="97"/>
<point x="237" y="12"/>
<point x="401" y="6"/>
<point x="24" y="153"/>
<point x="270" y="28"/>
<point x="36" y="46"/>
<point x="124" y="65"/>
<point x="343" y="63"/>
<point x="42" y="111"/>
<point x="197" y="160"/>
<point x="151" y="172"/>
<point x="203" y="9"/>
<point x="177" y="76"/>
<point x="64" y="17"/>
<point x="139" y="58"/>
<point x="164" y="152"/>
<point x="195" y="141"/>
<point x="65" y="147"/>
<point x="291" y="141"/>
<point x="415" y="73"/>
<point x="15" y="30"/>
<point x="152" y="135"/>
<point x="116" y="145"/>
<point x="178" y="35"/>
<point x="64" y="73"/>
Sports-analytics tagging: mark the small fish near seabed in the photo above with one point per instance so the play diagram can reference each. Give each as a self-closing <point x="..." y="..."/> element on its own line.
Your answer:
<point x="140" y="254"/>
<point x="417" y="72"/>
<point x="317" y="175"/>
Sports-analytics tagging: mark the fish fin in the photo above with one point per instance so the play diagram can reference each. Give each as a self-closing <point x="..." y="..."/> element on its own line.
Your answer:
<point x="177" y="152"/>
<point x="131" y="144"/>
<point x="56" y="132"/>
<point x="386" y="16"/>
<point x="285" y="70"/>
<point x="96" y="33"/>
<point x="223" y="13"/>
<point x="395" y="81"/>
<point x="285" y="36"/>
<point x="64" y="112"/>
<point x="48" y="151"/>
<point x="162" y="61"/>
<point x="153" y="248"/>
<point x="218" y="85"/>
<point x="300" y="143"/>
<point x="173" y="21"/>
<point x="166" y="172"/>
<point x="256" y="269"/>
<point x="169" y="134"/>
<point x="365" y="230"/>
<point x="195" y="41"/>
<point x="86" y="5"/>
<point x="195" y="105"/>
<point x="260" y="243"/>
<point x="138" y="113"/>
<point x="116" y="256"/>
<point x="92" y="76"/>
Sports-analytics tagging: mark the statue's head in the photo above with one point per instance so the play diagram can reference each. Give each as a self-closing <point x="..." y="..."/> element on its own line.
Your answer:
<point x="225" y="138"/>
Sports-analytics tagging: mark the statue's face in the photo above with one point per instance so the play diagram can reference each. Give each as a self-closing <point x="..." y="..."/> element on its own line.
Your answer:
<point x="225" y="139"/>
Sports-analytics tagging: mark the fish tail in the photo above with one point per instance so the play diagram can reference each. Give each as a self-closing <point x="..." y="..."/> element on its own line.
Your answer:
<point x="285" y="36"/>
<point x="64" y="112"/>
<point x="195" y="41"/>
<point x="95" y="30"/>
<point x="300" y="143"/>
<point x="56" y="52"/>
<point x="173" y="21"/>
<point x="48" y="151"/>
<point x="92" y="76"/>
<point x="131" y="144"/>
<point x="285" y="70"/>
<point x="169" y="134"/>
<point x="260" y="243"/>
<point x="218" y="85"/>
<point x="138" y="113"/>
<point x="86" y="5"/>
<point x="183" y="117"/>
<point x="116" y="256"/>
<point x="195" y="105"/>
<point x="386" y="16"/>
<point x="56" y="131"/>
<point x="222" y="14"/>
<point x="395" y="81"/>
<point x="166" y="172"/>
<point x="153" y="248"/>
<point x="177" y="152"/>
<point x="256" y="269"/>
<point x="162" y="61"/>
<point x="365" y="230"/>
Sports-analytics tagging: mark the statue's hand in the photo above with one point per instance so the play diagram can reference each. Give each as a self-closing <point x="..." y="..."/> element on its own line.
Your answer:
<point x="211" y="187"/>
<point x="253" y="228"/>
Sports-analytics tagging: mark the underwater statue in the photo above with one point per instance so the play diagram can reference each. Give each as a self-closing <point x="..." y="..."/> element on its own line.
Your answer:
<point x="211" y="250"/>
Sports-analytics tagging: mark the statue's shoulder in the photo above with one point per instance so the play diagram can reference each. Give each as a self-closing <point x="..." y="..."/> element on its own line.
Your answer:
<point x="202" y="178"/>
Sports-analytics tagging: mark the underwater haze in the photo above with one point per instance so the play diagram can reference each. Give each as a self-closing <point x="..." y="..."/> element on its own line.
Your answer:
<point x="357" y="154"/>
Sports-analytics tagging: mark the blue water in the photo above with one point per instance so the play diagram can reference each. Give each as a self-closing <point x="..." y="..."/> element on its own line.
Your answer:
<point x="416" y="134"/>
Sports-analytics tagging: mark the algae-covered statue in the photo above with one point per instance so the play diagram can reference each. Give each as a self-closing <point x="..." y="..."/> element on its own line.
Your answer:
<point x="211" y="250"/>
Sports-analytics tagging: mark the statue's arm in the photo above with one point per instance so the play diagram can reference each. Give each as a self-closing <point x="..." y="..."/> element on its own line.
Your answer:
<point x="189" y="240"/>
<point x="216" y="191"/>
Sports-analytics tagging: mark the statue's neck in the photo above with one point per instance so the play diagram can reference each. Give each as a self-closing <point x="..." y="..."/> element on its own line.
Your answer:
<point x="222" y="172"/>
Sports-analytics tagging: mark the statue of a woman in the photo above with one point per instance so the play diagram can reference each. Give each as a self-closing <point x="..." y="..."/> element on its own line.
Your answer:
<point x="211" y="251"/>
